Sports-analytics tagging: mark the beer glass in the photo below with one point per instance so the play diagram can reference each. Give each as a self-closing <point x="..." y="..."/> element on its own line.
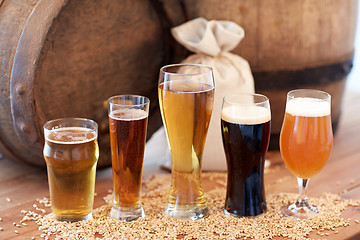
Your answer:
<point x="245" y="124"/>
<point x="128" y="118"/>
<point x="306" y="141"/>
<point x="71" y="153"/>
<point x="186" y="96"/>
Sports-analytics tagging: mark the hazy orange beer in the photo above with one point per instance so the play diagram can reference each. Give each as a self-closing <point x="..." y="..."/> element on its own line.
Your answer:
<point x="71" y="152"/>
<point x="306" y="140"/>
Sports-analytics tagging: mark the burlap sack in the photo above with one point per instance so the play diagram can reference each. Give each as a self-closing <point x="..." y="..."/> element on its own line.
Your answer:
<point x="212" y="41"/>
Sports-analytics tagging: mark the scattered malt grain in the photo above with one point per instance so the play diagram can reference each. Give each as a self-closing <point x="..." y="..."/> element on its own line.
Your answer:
<point x="156" y="225"/>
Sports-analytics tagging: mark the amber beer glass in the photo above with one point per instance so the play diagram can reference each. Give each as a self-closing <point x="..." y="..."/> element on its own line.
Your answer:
<point x="71" y="153"/>
<point x="245" y="124"/>
<point x="128" y="118"/>
<point x="306" y="140"/>
<point x="186" y="95"/>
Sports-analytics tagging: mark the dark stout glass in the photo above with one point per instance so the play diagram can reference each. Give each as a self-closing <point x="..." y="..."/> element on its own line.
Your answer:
<point x="245" y="143"/>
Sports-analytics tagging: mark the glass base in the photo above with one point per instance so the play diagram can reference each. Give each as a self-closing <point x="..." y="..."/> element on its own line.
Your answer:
<point x="72" y="218"/>
<point x="186" y="212"/>
<point x="226" y="212"/>
<point x="299" y="210"/>
<point x="127" y="214"/>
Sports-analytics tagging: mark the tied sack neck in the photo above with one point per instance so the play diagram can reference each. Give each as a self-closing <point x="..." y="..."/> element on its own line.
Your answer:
<point x="209" y="37"/>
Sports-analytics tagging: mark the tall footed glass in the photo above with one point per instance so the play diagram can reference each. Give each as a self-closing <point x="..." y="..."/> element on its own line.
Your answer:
<point x="306" y="140"/>
<point x="186" y="95"/>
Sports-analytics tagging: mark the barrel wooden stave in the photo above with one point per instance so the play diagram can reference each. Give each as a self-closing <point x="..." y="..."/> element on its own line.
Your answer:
<point x="284" y="35"/>
<point x="299" y="36"/>
<point x="12" y="13"/>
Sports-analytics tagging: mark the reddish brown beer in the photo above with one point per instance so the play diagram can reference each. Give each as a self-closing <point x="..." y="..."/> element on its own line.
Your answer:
<point x="128" y="117"/>
<point x="127" y="136"/>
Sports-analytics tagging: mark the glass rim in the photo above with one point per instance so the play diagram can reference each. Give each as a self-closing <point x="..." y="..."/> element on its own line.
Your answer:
<point x="226" y="98"/>
<point x="147" y="102"/>
<point x="327" y="96"/>
<point x="52" y="130"/>
<point x="203" y="66"/>
<point x="45" y="126"/>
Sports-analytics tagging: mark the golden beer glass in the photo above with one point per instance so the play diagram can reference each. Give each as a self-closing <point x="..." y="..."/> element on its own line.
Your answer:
<point x="186" y="96"/>
<point x="128" y="118"/>
<point x="306" y="140"/>
<point x="71" y="153"/>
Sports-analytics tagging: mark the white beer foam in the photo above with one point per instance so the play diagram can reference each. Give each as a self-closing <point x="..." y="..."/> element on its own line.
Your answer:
<point x="308" y="107"/>
<point x="128" y="114"/>
<point x="60" y="136"/>
<point x="248" y="115"/>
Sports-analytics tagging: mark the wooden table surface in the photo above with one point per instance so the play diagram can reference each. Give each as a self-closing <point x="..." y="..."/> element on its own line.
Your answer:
<point x="21" y="185"/>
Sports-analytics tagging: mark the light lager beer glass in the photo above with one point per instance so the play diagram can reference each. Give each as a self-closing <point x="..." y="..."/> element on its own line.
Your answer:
<point x="128" y="118"/>
<point x="306" y="140"/>
<point x="186" y="95"/>
<point x="71" y="153"/>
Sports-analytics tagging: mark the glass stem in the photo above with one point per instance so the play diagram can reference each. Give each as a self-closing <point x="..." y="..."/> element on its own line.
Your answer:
<point x="302" y="183"/>
<point x="302" y="200"/>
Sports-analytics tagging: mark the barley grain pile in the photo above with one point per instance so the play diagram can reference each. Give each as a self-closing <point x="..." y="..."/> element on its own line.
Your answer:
<point x="156" y="225"/>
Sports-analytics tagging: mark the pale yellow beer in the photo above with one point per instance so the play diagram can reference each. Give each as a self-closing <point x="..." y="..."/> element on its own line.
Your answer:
<point x="71" y="155"/>
<point x="186" y="110"/>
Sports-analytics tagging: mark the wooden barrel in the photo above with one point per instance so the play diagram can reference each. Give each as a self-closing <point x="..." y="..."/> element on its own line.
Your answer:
<point x="289" y="44"/>
<point x="65" y="58"/>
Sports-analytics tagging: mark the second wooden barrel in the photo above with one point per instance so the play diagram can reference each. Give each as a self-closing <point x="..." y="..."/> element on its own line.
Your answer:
<point x="289" y="44"/>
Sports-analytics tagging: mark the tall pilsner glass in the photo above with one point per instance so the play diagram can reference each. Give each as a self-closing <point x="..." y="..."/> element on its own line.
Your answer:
<point x="306" y="141"/>
<point x="186" y="95"/>
<point x="128" y="118"/>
